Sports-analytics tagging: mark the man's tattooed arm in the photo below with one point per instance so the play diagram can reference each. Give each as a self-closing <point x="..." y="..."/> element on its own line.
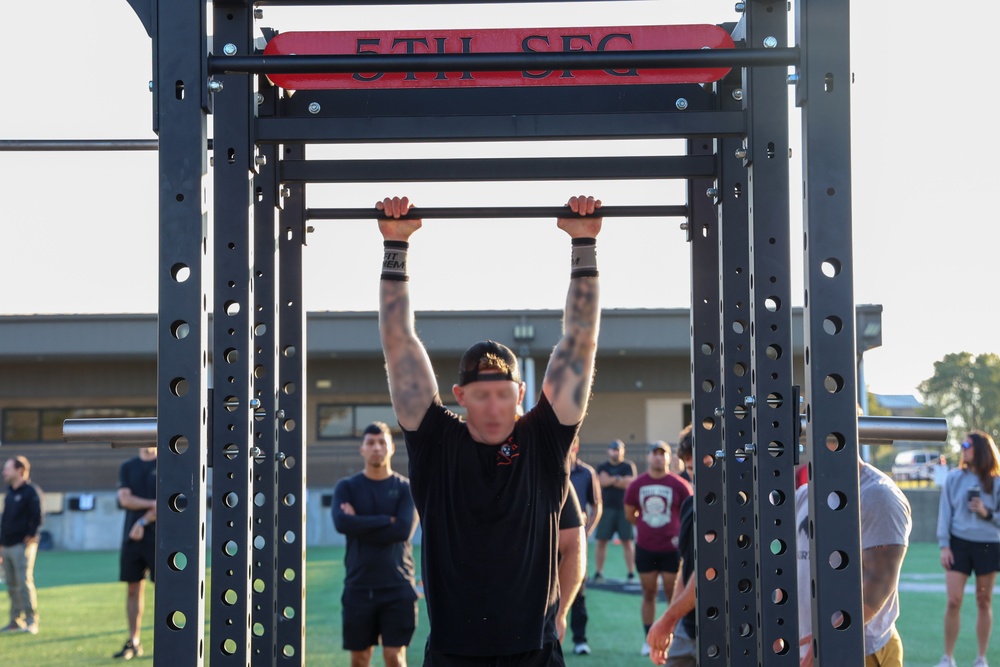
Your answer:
<point x="570" y="371"/>
<point x="412" y="385"/>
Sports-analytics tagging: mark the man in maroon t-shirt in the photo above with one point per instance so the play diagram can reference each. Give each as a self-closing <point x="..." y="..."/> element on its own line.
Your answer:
<point x="653" y="503"/>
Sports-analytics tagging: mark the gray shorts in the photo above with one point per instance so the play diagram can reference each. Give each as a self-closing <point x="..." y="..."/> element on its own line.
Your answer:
<point x="613" y="521"/>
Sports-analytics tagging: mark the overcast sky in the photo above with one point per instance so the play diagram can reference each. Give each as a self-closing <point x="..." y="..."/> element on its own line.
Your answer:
<point x="79" y="231"/>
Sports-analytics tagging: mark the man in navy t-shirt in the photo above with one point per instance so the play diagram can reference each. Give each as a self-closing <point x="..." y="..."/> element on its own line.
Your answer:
<point x="374" y="510"/>
<point x="489" y="488"/>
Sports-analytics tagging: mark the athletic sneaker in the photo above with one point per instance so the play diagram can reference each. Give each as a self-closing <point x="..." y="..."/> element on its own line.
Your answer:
<point x="630" y="578"/>
<point x="645" y="649"/>
<point x="947" y="661"/>
<point x="129" y="651"/>
<point x="31" y="628"/>
<point x="980" y="662"/>
<point x="598" y="578"/>
<point x="13" y="626"/>
<point x="581" y="649"/>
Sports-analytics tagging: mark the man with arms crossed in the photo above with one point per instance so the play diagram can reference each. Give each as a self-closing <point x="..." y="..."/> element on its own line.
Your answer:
<point x="374" y="510"/>
<point x="489" y="488"/>
<point x="615" y="475"/>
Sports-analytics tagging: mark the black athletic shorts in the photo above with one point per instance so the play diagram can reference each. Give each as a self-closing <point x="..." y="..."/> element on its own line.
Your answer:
<point x="136" y="558"/>
<point x="369" y="614"/>
<point x="656" y="561"/>
<point x="983" y="557"/>
<point x="549" y="655"/>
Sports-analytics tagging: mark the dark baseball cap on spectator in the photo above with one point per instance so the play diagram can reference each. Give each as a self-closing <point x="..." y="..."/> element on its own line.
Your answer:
<point x="684" y="449"/>
<point x="616" y="444"/>
<point x="495" y="361"/>
<point x="659" y="445"/>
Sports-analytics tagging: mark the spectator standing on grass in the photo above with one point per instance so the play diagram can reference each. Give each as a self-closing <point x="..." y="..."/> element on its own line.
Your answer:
<point x="137" y="496"/>
<point x="374" y="509"/>
<point x="653" y="504"/>
<point x="968" y="533"/>
<point x="615" y="475"/>
<point x="672" y="637"/>
<point x="941" y="471"/>
<point x="583" y="479"/>
<point x="22" y="517"/>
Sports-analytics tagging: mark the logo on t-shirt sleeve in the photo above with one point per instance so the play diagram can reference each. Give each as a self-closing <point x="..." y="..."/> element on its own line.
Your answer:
<point x="507" y="452"/>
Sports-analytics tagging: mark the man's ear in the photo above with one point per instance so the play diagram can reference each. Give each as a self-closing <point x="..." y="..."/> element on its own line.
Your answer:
<point x="459" y="393"/>
<point x="521" y="390"/>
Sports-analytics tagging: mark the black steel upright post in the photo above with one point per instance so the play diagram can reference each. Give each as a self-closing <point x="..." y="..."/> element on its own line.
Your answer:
<point x="709" y="512"/>
<point x="734" y="279"/>
<point x="291" y="590"/>
<point x="774" y="411"/>
<point x="180" y="117"/>
<point x="232" y="408"/>
<point x="824" y="94"/>
<point x="265" y="373"/>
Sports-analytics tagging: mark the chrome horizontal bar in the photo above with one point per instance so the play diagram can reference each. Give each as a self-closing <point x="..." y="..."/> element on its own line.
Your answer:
<point x="875" y="430"/>
<point x="120" y="432"/>
<point x="79" y="144"/>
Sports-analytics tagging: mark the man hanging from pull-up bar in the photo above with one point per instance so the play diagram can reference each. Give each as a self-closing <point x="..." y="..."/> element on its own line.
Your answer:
<point x="489" y="488"/>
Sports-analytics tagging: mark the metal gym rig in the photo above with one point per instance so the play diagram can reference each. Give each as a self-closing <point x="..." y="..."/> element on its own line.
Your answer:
<point x="745" y="409"/>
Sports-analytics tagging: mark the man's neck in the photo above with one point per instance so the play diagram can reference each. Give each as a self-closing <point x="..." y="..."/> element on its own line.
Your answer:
<point x="18" y="483"/>
<point x="378" y="473"/>
<point x="657" y="475"/>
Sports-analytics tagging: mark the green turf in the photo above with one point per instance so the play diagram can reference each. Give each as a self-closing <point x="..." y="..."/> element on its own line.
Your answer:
<point x="83" y="614"/>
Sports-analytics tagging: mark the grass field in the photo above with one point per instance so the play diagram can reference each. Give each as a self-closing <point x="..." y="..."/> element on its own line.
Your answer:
<point x="83" y="616"/>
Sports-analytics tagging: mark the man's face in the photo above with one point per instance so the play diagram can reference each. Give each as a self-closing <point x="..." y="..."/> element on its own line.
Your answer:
<point x="688" y="461"/>
<point x="616" y="454"/>
<point x="376" y="450"/>
<point x="657" y="461"/>
<point x="490" y="408"/>
<point x="10" y="473"/>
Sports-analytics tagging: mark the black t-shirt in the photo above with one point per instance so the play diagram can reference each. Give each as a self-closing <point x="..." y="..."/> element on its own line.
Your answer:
<point x="490" y="533"/>
<point x="571" y="515"/>
<point x="139" y="477"/>
<point x="613" y="497"/>
<point x="685" y="545"/>
<point x="22" y="514"/>
<point x="379" y="554"/>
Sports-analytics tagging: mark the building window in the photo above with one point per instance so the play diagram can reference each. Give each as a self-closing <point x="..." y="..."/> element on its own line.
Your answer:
<point x="339" y="422"/>
<point x="27" y="425"/>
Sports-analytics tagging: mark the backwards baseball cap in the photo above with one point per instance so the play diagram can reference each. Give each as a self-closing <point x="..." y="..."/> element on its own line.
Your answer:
<point x="659" y="445"/>
<point x="616" y="444"/>
<point x="488" y="360"/>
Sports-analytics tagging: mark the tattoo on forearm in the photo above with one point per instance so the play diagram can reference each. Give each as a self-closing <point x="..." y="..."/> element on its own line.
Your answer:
<point x="573" y="355"/>
<point x="411" y="380"/>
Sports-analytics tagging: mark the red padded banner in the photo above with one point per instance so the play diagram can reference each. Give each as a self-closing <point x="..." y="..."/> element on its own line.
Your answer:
<point x="516" y="40"/>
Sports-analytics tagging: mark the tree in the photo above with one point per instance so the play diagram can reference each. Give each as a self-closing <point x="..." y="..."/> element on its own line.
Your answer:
<point x="966" y="390"/>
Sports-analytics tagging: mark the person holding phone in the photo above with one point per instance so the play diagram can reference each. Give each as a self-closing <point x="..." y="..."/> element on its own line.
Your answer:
<point x="968" y="533"/>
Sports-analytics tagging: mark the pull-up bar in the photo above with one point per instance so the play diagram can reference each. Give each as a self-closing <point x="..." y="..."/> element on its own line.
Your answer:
<point x="79" y="144"/>
<point x="512" y="212"/>
<point x="504" y="62"/>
